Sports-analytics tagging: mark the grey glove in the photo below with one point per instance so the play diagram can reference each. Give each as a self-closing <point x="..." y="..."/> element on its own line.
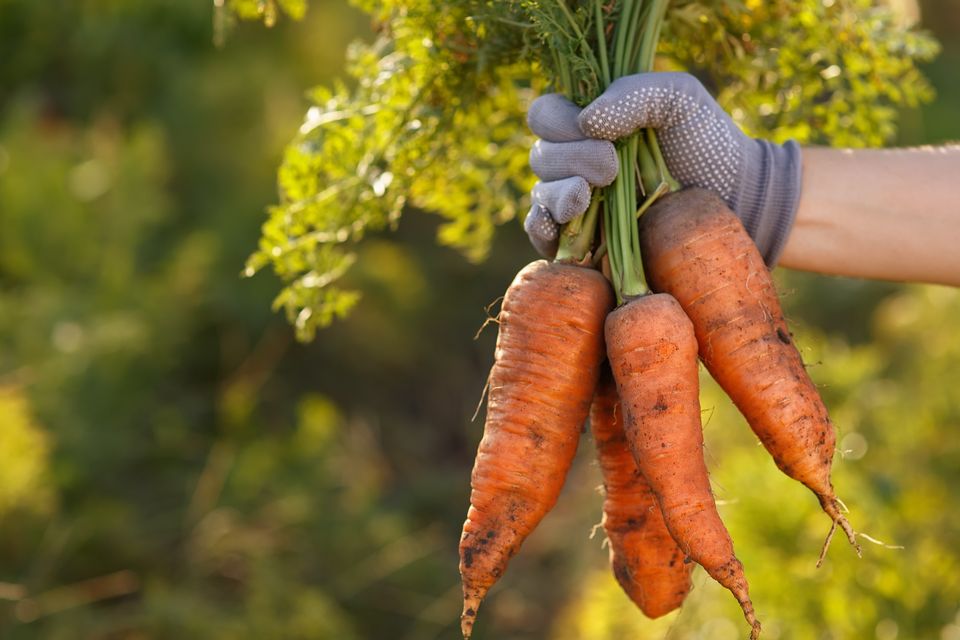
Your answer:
<point x="759" y="180"/>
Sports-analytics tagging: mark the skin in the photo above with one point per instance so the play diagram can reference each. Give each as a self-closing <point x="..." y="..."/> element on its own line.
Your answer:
<point x="696" y="249"/>
<point x="653" y="355"/>
<point x="549" y="351"/>
<point x="880" y="214"/>
<point x="646" y="561"/>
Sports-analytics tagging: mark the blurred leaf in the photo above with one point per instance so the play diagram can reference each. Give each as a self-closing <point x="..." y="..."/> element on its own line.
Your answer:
<point x="25" y="482"/>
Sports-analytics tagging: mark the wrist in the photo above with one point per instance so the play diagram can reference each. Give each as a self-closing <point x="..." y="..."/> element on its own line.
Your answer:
<point x="767" y="198"/>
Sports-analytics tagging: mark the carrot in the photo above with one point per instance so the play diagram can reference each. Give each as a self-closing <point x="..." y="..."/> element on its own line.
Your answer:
<point x="646" y="561"/>
<point x="548" y="358"/>
<point x="653" y="355"/>
<point x="698" y="251"/>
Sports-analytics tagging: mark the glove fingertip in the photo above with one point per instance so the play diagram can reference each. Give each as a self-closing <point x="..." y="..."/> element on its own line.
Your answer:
<point x="538" y="223"/>
<point x="611" y="167"/>
<point x="581" y="197"/>
<point x="546" y="248"/>
<point x="537" y="107"/>
<point x="542" y="231"/>
<point x="553" y="117"/>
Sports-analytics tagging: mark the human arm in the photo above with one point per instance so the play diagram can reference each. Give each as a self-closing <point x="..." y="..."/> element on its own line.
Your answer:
<point x="887" y="214"/>
<point x="884" y="214"/>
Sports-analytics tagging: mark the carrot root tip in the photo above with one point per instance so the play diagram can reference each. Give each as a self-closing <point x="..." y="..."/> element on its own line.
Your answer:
<point x="826" y="543"/>
<point x="847" y="529"/>
<point x="749" y="614"/>
<point x="851" y="536"/>
<point x="834" y="508"/>
<point x="469" y="616"/>
<point x="466" y="626"/>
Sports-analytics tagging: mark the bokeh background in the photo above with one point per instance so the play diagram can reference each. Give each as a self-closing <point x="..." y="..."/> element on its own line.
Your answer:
<point x="174" y="465"/>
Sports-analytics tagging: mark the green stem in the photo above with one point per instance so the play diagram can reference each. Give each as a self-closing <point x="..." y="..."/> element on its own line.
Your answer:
<point x="638" y="43"/>
<point x="665" y="175"/>
<point x="620" y="37"/>
<point x="630" y="46"/>
<point x="564" y="70"/>
<point x="649" y="171"/>
<point x="622" y="236"/>
<point x="613" y="246"/>
<point x="576" y="237"/>
<point x="636" y="142"/>
<point x="651" y="33"/>
<point x="663" y="189"/>
<point x="599" y="25"/>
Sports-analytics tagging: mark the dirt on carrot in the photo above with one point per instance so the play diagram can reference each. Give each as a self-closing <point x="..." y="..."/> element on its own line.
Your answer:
<point x="696" y="249"/>
<point x="646" y="561"/>
<point x="548" y="356"/>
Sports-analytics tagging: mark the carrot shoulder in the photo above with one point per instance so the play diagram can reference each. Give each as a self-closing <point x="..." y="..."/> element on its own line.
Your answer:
<point x="648" y="564"/>
<point x="697" y="250"/>
<point x="548" y="357"/>
<point x="653" y="355"/>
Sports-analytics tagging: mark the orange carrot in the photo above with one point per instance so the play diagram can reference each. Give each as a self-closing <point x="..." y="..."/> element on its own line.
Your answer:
<point x="653" y="355"/>
<point x="548" y="358"/>
<point x="698" y="251"/>
<point x="646" y="561"/>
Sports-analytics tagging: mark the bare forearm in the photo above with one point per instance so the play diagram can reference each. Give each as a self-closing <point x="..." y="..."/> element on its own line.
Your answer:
<point x="881" y="214"/>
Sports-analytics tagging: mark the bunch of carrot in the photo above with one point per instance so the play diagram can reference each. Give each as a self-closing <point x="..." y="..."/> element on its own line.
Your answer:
<point x="560" y="321"/>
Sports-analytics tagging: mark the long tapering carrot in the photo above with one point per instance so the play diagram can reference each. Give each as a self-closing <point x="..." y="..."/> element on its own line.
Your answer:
<point x="653" y="355"/>
<point x="548" y="357"/>
<point x="648" y="564"/>
<point x="698" y="251"/>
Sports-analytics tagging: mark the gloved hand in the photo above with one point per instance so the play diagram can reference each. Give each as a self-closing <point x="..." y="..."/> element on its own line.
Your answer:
<point x="759" y="180"/>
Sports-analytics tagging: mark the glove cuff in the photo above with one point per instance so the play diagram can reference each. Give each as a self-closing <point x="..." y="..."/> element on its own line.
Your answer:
<point x="769" y="194"/>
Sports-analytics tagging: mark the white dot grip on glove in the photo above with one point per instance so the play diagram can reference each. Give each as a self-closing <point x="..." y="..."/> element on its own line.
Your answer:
<point x="702" y="146"/>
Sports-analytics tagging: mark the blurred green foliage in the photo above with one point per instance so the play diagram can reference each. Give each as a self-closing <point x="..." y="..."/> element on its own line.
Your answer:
<point x="174" y="465"/>
<point x="23" y="481"/>
<point x="226" y="14"/>
<point x="827" y="72"/>
<point x="265" y="10"/>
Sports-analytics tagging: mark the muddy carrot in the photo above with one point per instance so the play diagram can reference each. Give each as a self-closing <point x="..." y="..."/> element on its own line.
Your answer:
<point x="548" y="357"/>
